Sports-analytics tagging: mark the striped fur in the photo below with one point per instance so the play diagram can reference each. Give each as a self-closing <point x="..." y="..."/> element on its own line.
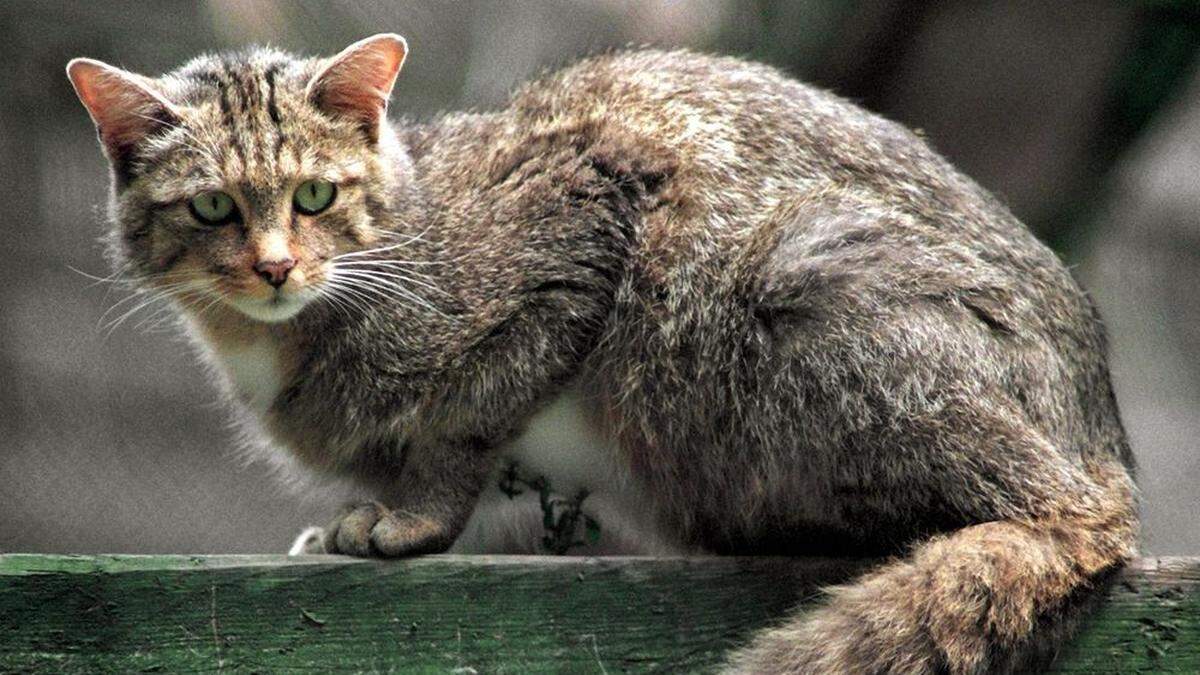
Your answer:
<point x="803" y="331"/>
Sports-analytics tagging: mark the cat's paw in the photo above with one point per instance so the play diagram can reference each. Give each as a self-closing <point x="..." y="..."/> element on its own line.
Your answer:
<point x="308" y="542"/>
<point x="371" y="529"/>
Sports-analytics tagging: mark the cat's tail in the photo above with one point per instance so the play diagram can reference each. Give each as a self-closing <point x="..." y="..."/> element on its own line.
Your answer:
<point x="994" y="597"/>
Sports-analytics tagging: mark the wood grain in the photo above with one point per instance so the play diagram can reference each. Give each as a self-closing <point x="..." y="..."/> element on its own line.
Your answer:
<point x="481" y="613"/>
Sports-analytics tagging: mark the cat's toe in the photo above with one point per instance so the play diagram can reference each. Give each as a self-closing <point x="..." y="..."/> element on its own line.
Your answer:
<point x="372" y="529"/>
<point x="310" y="541"/>
<point x="350" y="533"/>
<point x="396" y="535"/>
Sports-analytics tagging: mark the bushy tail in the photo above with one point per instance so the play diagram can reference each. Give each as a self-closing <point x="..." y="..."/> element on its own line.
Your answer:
<point x="994" y="597"/>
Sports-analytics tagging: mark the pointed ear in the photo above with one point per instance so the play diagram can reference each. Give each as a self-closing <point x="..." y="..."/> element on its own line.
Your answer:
<point x="123" y="106"/>
<point x="357" y="82"/>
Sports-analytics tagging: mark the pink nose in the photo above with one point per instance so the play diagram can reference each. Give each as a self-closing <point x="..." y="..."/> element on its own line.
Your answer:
<point x="274" y="272"/>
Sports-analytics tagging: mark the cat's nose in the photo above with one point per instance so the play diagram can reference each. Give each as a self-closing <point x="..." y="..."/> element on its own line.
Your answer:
<point x="275" y="272"/>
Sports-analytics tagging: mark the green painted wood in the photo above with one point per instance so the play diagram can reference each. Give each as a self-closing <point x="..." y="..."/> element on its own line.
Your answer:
<point x="1148" y="623"/>
<point x="480" y="613"/>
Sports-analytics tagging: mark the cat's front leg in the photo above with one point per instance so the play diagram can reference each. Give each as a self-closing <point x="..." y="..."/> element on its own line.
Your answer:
<point x="422" y="509"/>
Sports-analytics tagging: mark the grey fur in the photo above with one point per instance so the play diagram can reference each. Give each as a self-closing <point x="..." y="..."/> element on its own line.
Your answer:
<point x="810" y="334"/>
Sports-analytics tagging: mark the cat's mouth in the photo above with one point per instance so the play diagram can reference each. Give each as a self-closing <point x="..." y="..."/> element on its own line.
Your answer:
<point x="278" y="306"/>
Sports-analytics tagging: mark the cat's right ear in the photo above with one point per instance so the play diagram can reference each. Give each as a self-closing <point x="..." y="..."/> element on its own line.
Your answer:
<point x="123" y="106"/>
<point x="357" y="83"/>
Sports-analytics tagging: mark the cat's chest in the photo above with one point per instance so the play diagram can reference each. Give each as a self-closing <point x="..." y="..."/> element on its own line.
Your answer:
<point x="563" y="445"/>
<point x="252" y="371"/>
<point x="563" y="460"/>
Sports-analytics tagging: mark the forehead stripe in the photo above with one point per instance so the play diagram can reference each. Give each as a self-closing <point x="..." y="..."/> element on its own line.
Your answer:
<point x="226" y="113"/>
<point x="273" y="111"/>
<point x="227" y="116"/>
<point x="245" y="91"/>
<point x="250" y="88"/>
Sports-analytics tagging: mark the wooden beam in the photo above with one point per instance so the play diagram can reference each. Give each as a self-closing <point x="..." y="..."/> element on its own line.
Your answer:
<point x="482" y="613"/>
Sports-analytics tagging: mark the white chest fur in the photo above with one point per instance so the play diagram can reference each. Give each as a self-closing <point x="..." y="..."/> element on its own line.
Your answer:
<point x="571" y="454"/>
<point x="252" y="371"/>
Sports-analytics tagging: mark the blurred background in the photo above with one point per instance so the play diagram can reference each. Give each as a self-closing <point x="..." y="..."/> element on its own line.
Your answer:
<point x="1083" y="116"/>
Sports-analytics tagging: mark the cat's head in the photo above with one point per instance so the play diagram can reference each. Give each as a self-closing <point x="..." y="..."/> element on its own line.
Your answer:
<point x="238" y="177"/>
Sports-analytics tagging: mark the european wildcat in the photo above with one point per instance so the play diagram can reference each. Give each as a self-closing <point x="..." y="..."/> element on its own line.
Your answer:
<point x="779" y="324"/>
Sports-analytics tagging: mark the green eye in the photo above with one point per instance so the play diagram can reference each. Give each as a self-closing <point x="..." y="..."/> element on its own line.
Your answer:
<point x="213" y="208"/>
<point x="314" y="196"/>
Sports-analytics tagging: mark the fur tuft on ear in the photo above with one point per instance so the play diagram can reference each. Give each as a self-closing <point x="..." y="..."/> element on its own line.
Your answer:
<point x="357" y="82"/>
<point x="123" y="106"/>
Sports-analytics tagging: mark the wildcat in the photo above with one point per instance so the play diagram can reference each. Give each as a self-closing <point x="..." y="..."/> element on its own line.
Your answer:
<point x="771" y="322"/>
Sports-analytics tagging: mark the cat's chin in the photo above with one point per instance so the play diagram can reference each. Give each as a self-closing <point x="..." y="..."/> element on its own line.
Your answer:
<point x="272" y="310"/>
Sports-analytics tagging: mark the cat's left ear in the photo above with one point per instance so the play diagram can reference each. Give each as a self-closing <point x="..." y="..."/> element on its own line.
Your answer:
<point x="358" y="82"/>
<point x="125" y="107"/>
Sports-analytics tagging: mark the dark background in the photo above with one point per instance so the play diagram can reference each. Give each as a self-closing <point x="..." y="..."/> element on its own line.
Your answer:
<point x="1083" y="116"/>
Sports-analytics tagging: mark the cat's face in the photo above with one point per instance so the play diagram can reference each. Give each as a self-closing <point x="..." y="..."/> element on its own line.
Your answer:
<point x="238" y="180"/>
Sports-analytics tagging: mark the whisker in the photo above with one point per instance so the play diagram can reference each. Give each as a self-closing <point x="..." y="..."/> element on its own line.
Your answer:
<point x="119" y="278"/>
<point x="113" y="278"/>
<point x="356" y="298"/>
<point x="143" y="298"/>
<point x="377" y="278"/>
<point x="364" y="292"/>
<point x="141" y="294"/>
<point x="216" y="300"/>
<point x="392" y="271"/>
<point x="390" y="261"/>
<point x="365" y="252"/>
<point x="112" y="326"/>
<point x="382" y="287"/>
<point x="410" y="239"/>
<point x="349" y="304"/>
<point x="359" y="273"/>
<point x="166" y="310"/>
<point x="325" y="293"/>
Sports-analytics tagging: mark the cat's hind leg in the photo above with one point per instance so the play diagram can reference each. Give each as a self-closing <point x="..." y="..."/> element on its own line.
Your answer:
<point x="992" y="597"/>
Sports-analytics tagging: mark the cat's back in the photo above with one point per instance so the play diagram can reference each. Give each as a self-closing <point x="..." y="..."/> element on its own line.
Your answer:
<point x="777" y="185"/>
<point x="743" y="140"/>
<point x="737" y="138"/>
<point x="731" y="118"/>
<point x="746" y="146"/>
<point x="744" y="165"/>
<point x="712" y="116"/>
